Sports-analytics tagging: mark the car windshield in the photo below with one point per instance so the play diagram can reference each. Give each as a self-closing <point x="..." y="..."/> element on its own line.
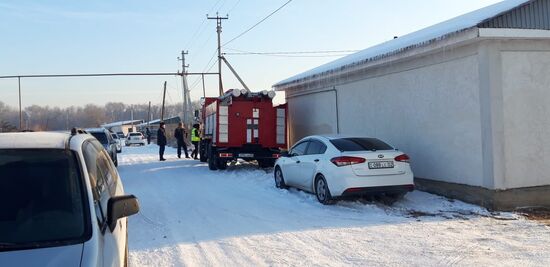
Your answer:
<point x="101" y="137"/>
<point x="41" y="199"/>
<point x="360" y="144"/>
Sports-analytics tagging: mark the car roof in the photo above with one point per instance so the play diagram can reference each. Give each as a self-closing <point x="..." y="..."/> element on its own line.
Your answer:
<point x="40" y="140"/>
<point x="329" y="137"/>
<point x="96" y="130"/>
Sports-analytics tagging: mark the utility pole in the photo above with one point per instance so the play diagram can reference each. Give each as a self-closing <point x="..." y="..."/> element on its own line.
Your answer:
<point x="203" y="88"/>
<point x="20" y="110"/>
<point x="219" y="31"/>
<point x="149" y="114"/>
<point x="186" y="96"/>
<point x="163" y="98"/>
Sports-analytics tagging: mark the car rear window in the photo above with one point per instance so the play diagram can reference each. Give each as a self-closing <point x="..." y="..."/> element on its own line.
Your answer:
<point x="101" y="137"/>
<point x="360" y="144"/>
<point x="135" y="134"/>
<point x="41" y="199"/>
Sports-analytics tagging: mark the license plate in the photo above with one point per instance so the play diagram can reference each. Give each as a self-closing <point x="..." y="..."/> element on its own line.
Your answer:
<point x="246" y="155"/>
<point x="381" y="165"/>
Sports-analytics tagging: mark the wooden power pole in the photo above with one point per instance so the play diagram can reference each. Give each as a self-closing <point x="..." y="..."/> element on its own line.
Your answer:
<point x="219" y="31"/>
<point x="163" y="99"/>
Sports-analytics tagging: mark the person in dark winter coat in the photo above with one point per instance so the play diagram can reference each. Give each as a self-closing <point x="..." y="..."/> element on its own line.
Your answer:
<point x="180" y="134"/>
<point x="161" y="140"/>
<point x="148" y="134"/>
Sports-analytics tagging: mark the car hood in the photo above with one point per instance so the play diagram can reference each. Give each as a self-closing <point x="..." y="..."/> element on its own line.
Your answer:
<point x="54" y="256"/>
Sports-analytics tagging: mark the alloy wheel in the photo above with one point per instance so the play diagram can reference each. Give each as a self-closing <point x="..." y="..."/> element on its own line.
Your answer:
<point x="321" y="189"/>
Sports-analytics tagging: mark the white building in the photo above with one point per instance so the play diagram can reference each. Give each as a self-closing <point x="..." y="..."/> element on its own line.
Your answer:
<point x="122" y="127"/>
<point x="468" y="99"/>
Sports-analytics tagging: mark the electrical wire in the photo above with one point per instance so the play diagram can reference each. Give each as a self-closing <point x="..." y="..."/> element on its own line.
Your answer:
<point x="243" y="52"/>
<point x="200" y="30"/>
<point x="258" y="23"/>
<point x="233" y="7"/>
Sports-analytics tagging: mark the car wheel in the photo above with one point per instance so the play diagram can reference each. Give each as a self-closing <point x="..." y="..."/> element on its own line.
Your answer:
<point x="322" y="191"/>
<point x="279" y="179"/>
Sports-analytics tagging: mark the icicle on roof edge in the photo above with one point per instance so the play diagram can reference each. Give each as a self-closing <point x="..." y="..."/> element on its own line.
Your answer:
<point x="439" y="30"/>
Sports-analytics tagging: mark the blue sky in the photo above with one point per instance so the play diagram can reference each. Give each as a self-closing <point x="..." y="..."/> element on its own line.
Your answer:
<point x="52" y="37"/>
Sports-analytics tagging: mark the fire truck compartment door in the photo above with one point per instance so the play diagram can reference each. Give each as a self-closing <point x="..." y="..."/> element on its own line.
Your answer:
<point x="252" y="131"/>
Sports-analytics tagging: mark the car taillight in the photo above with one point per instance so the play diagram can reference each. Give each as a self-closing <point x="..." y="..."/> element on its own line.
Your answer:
<point x="402" y="158"/>
<point x="345" y="161"/>
<point x="226" y="155"/>
<point x="276" y="156"/>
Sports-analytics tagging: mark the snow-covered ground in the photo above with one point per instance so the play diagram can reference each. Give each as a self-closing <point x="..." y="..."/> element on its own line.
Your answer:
<point x="191" y="216"/>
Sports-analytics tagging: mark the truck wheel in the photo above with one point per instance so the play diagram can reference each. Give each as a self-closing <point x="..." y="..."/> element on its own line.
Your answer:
<point x="203" y="153"/>
<point x="222" y="164"/>
<point x="212" y="160"/>
<point x="266" y="163"/>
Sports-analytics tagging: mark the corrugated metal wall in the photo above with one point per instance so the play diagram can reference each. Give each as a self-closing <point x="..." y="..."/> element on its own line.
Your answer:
<point x="533" y="15"/>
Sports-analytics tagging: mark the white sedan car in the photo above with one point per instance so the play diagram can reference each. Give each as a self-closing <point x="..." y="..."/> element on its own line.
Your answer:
<point x="136" y="139"/>
<point x="335" y="167"/>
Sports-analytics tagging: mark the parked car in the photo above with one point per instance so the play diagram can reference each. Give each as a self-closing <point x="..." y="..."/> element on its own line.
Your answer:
<point x="335" y="167"/>
<point x="105" y="138"/>
<point x="62" y="202"/>
<point x="118" y="142"/>
<point x="136" y="138"/>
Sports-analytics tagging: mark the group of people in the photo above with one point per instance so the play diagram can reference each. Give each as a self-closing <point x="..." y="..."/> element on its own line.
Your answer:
<point x="180" y="134"/>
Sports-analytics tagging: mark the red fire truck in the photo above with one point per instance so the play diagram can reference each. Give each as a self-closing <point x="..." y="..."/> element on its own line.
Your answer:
<point x="242" y="124"/>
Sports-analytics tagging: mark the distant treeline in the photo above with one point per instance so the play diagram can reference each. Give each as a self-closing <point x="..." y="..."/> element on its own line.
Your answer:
<point x="46" y="118"/>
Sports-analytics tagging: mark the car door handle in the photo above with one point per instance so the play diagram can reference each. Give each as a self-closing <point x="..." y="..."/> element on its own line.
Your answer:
<point x="316" y="160"/>
<point x="298" y="161"/>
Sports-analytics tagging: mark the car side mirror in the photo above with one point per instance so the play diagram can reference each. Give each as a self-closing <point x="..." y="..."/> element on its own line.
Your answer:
<point x="285" y="154"/>
<point x="120" y="207"/>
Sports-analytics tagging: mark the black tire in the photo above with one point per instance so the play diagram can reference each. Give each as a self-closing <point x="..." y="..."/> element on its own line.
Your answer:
<point x="212" y="160"/>
<point x="279" y="179"/>
<point x="203" y="153"/>
<point x="322" y="191"/>
<point x="266" y="163"/>
<point x="222" y="164"/>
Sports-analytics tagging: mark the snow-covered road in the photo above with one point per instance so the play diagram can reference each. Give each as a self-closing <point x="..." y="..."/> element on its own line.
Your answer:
<point x="191" y="216"/>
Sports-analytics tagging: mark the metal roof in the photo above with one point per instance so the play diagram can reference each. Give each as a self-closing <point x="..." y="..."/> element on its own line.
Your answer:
<point x="120" y="123"/>
<point x="520" y="10"/>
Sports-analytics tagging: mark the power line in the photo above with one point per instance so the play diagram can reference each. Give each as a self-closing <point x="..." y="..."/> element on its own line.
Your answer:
<point x="294" y="54"/>
<point x="200" y="30"/>
<point x="243" y="52"/>
<point x="258" y="23"/>
<point x="234" y="6"/>
<point x="290" y="56"/>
